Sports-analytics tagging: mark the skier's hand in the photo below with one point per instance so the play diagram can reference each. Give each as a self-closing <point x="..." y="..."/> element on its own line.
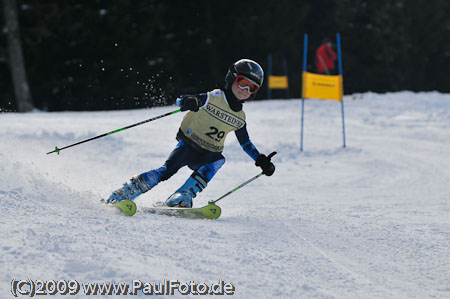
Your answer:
<point x="189" y="103"/>
<point x="266" y="165"/>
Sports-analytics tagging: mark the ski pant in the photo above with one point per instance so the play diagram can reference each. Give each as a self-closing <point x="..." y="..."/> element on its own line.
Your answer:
<point x="205" y="163"/>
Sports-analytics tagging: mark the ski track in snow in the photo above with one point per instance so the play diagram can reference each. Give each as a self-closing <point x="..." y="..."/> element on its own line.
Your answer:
<point x="368" y="221"/>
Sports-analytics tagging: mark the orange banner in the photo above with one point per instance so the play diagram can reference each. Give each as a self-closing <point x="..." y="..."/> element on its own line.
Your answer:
<point x="278" y="82"/>
<point x="326" y="87"/>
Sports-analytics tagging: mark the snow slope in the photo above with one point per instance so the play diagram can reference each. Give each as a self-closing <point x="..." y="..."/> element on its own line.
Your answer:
<point x="368" y="221"/>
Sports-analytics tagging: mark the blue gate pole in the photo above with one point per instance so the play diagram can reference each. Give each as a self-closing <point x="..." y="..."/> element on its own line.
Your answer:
<point x="269" y="71"/>
<point x="338" y="39"/>
<point x="305" y="48"/>
<point x="286" y="74"/>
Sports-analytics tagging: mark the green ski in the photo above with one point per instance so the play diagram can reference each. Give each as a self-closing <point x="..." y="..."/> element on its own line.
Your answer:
<point x="210" y="211"/>
<point x="127" y="207"/>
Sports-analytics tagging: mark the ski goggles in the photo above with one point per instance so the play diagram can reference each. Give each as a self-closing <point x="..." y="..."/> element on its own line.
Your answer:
<point x="246" y="83"/>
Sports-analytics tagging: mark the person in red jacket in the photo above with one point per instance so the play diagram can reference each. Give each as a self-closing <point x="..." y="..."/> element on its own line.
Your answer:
<point x="325" y="58"/>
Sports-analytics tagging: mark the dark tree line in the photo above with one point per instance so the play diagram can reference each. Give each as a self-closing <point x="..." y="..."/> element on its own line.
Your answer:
<point x="16" y="64"/>
<point x="101" y="55"/>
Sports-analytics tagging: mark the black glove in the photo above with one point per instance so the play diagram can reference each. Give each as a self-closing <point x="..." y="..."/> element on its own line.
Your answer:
<point x="264" y="162"/>
<point x="189" y="103"/>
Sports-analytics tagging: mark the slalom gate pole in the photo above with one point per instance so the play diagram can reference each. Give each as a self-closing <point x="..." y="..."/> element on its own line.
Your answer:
<point x="57" y="150"/>
<point x="241" y="185"/>
<point x="305" y="54"/>
<point x="338" y="39"/>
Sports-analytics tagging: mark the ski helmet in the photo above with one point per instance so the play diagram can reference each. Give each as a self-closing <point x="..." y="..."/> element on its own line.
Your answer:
<point x="247" y="68"/>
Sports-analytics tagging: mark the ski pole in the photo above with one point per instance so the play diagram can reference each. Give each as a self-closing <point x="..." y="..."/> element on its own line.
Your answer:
<point x="237" y="188"/>
<point x="243" y="184"/>
<point x="57" y="150"/>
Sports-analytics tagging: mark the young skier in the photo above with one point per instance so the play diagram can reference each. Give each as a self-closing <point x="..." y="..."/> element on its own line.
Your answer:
<point x="201" y="137"/>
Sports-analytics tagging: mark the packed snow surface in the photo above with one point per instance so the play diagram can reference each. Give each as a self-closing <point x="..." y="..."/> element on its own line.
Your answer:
<point x="371" y="220"/>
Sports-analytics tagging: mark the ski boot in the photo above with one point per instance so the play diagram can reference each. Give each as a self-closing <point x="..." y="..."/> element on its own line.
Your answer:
<point x="183" y="196"/>
<point x="129" y="191"/>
